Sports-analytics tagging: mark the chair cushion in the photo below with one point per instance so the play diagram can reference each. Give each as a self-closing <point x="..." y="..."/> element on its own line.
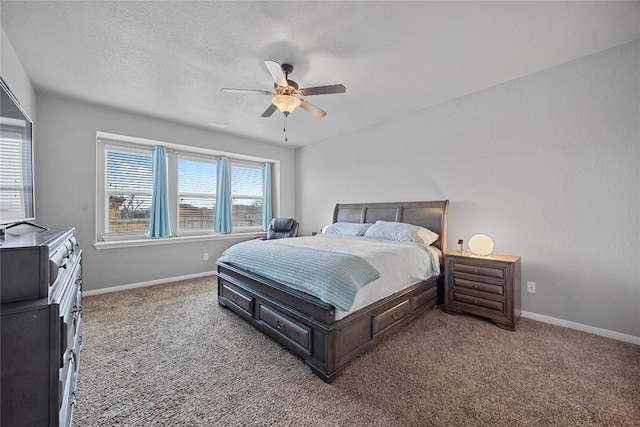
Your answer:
<point x="282" y="227"/>
<point x="282" y="224"/>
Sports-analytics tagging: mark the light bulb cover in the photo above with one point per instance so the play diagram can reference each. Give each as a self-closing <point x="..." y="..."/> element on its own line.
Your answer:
<point x="286" y="103"/>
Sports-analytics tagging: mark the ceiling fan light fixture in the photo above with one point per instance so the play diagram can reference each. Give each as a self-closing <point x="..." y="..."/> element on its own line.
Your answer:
<point x="286" y="103"/>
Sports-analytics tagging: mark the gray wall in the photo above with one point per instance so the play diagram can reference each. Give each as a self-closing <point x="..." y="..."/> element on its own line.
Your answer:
<point x="547" y="165"/>
<point x="66" y="187"/>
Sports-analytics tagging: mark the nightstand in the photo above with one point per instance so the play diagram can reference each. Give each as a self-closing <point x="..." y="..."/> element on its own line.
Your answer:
<point x="487" y="286"/>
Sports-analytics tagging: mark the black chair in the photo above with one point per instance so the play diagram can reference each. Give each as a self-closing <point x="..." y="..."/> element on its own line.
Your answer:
<point x="282" y="227"/>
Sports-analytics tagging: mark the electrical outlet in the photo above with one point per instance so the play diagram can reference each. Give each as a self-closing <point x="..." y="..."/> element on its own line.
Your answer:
<point x="531" y="287"/>
<point x="206" y="256"/>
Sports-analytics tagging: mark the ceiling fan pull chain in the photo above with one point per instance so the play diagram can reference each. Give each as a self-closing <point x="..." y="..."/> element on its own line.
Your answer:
<point x="284" y="129"/>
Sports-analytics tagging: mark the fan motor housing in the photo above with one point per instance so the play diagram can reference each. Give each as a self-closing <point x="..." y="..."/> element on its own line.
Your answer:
<point x="287" y="68"/>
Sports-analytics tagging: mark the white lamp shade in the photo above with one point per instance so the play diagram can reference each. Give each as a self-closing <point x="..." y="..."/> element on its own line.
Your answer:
<point x="481" y="244"/>
<point x="285" y="103"/>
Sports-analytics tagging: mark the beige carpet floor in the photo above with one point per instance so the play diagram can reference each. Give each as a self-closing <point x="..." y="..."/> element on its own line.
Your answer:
<point x="168" y="355"/>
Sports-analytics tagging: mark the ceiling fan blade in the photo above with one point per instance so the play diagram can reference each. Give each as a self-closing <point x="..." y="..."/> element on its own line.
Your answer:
<point x="269" y="111"/>
<point x="322" y="90"/>
<point x="247" y="91"/>
<point x="307" y="106"/>
<point x="276" y="72"/>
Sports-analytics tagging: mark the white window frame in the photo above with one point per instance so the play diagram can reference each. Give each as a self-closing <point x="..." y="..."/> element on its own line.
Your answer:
<point x="106" y="141"/>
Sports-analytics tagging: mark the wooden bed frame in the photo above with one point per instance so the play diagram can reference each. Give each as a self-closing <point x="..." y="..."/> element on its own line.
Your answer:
<point x="307" y="326"/>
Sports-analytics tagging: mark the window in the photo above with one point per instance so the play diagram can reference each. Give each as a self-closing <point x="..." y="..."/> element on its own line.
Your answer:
<point x="196" y="193"/>
<point x="16" y="179"/>
<point x="129" y="184"/>
<point x="125" y="186"/>
<point x="246" y="195"/>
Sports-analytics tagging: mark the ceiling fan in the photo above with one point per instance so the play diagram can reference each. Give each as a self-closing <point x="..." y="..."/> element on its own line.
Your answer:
<point x="284" y="92"/>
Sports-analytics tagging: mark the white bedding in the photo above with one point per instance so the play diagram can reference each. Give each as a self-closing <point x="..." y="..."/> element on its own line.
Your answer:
<point x="400" y="264"/>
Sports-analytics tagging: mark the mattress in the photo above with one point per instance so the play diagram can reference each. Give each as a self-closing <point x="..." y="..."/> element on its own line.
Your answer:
<point x="400" y="264"/>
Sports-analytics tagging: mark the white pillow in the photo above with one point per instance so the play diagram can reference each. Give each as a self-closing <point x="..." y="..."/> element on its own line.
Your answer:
<point x="347" y="228"/>
<point x="401" y="232"/>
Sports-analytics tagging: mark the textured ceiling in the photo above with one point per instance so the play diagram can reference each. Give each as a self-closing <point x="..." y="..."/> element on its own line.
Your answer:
<point x="170" y="59"/>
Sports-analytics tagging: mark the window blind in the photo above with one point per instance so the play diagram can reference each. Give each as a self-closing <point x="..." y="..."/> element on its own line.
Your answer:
<point x="15" y="176"/>
<point x="129" y="187"/>
<point x="246" y="195"/>
<point x="197" y="194"/>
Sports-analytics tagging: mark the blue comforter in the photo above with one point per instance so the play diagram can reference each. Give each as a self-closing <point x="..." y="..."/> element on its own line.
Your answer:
<point x="333" y="277"/>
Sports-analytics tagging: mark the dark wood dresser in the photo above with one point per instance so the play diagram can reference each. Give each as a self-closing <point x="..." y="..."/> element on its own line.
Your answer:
<point x="40" y="328"/>
<point x="487" y="286"/>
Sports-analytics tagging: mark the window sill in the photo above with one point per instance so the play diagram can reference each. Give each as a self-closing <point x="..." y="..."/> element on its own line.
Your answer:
<point x="115" y="244"/>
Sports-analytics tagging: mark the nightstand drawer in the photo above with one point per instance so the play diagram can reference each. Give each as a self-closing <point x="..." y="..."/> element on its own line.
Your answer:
<point x="479" y="302"/>
<point x="497" y="273"/>
<point x="479" y="286"/>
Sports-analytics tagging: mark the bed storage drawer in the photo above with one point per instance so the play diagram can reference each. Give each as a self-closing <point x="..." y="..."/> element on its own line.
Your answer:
<point x="238" y="298"/>
<point x="285" y="327"/>
<point x="384" y="320"/>
<point x="423" y="298"/>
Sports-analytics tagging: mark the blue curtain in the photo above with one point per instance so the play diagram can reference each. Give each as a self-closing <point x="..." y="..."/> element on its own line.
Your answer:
<point x="266" y="196"/>
<point x="224" y="223"/>
<point x="159" y="220"/>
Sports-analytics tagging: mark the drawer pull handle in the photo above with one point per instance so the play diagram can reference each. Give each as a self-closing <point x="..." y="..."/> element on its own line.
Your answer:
<point x="234" y="297"/>
<point x="395" y="315"/>
<point x="279" y="324"/>
<point x="76" y="309"/>
<point x="475" y="301"/>
<point x="64" y="266"/>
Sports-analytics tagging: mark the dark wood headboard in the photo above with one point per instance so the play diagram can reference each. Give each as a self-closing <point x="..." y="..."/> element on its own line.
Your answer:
<point x="431" y="215"/>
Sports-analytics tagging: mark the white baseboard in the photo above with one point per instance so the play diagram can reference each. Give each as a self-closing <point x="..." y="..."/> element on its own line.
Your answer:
<point x="149" y="283"/>
<point x="580" y="327"/>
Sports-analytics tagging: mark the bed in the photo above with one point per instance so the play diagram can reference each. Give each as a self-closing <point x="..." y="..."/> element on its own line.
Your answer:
<point x="324" y="336"/>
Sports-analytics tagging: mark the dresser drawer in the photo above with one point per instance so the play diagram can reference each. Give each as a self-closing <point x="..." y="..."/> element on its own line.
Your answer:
<point x="285" y="327"/>
<point x="388" y="318"/>
<point x="67" y="393"/>
<point x="479" y="286"/>
<point x="238" y="298"/>
<point x="495" y="272"/>
<point x="479" y="302"/>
